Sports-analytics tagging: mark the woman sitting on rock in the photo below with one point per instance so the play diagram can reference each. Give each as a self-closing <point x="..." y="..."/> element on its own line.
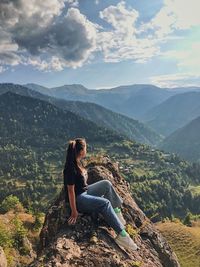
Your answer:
<point x="98" y="197"/>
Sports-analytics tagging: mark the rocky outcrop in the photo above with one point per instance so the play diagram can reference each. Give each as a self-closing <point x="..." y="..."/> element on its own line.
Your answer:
<point x="90" y="241"/>
<point x="3" y="261"/>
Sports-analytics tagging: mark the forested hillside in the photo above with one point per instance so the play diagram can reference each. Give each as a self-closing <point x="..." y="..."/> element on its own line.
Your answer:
<point x="174" y="113"/>
<point x="185" y="141"/>
<point x="34" y="136"/>
<point x="132" y="129"/>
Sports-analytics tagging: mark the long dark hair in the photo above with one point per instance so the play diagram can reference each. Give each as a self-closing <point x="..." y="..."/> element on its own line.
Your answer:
<point x="73" y="150"/>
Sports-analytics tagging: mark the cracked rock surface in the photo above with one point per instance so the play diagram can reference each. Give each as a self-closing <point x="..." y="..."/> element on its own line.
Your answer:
<point x="90" y="242"/>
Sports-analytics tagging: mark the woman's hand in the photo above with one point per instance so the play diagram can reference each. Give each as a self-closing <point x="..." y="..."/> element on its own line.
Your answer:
<point x="72" y="219"/>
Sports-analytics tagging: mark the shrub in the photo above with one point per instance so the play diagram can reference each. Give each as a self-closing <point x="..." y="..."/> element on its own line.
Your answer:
<point x="20" y="232"/>
<point x="6" y="240"/>
<point x="38" y="221"/>
<point x="188" y="219"/>
<point x="11" y="202"/>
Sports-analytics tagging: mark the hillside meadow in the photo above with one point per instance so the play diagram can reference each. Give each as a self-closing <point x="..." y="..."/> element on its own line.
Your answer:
<point x="184" y="240"/>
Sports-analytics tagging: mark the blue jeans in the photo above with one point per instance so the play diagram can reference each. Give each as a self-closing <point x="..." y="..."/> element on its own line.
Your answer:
<point x="101" y="197"/>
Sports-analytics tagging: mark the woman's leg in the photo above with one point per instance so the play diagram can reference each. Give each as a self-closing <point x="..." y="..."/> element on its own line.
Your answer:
<point x="90" y="203"/>
<point x="106" y="189"/>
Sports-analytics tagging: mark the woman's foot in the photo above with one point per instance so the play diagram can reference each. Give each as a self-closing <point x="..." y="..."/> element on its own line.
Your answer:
<point x="126" y="242"/>
<point x="120" y="216"/>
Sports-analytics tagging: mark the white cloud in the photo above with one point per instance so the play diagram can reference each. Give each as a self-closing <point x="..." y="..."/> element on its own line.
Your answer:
<point x="49" y="37"/>
<point x="53" y="64"/>
<point x="176" y="80"/>
<point x="2" y="69"/>
<point x="187" y="59"/>
<point x="122" y="19"/>
<point x="8" y="58"/>
<point x="8" y="50"/>
<point x="186" y="14"/>
<point x="74" y="3"/>
<point x="174" y="15"/>
<point x="121" y="42"/>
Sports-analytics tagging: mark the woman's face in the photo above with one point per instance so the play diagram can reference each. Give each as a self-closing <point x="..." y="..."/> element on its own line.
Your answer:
<point x="83" y="152"/>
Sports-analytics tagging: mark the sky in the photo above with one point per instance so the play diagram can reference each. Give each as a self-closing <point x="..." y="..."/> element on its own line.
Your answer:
<point x="100" y="44"/>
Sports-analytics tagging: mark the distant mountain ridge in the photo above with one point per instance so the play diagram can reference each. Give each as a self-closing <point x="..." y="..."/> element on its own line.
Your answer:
<point x="130" y="128"/>
<point x="185" y="141"/>
<point x="130" y="100"/>
<point x="30" y="112"/>
<point x="133" y="129"/>
<point x="107" y="107"/>
<point x="174" y="113"/>
<point x="119" y="99"/>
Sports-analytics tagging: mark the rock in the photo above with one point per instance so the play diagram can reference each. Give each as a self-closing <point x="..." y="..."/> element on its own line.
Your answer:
<point x="27" y="244"/>
<point x="3" y="261"/>
<point x="70" y="245"/>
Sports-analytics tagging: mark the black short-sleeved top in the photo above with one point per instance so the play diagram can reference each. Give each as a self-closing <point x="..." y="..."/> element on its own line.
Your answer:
<point x="79" y="180"/>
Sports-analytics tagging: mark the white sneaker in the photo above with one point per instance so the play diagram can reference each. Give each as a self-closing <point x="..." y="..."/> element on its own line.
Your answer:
<point x="120" y="216"/>
<point x="126" y="242"/>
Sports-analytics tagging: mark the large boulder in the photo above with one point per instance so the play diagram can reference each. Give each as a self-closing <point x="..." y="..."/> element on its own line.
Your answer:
<point x="90" y="241"/>
<point x="3" y="261"/>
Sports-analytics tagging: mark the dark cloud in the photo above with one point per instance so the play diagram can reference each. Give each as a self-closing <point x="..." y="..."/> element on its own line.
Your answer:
<point x="73" y="37"/>
<point x="39" y="29"/>
<point x="8" y="58"/>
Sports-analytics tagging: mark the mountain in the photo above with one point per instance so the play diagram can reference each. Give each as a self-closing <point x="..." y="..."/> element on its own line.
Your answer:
<point x="68" y="92"/>
<point x="19" y="89"/>
<point x="186" y="89"/>
<point x="33" y="141"/>
<point x="174" y="113"/>
<point x="126" y="126"/>
<point x="131" y="100"/>
<point x="185" y="141"/>
<point x="130" y="128"/>
<point x="38" y="88"/>
<point x="28" y="113"/>
<point x="90" y="242"/>
<point x="33" y="138"/>
<point x="134" y="101"/>
<point x="144" y="99"/>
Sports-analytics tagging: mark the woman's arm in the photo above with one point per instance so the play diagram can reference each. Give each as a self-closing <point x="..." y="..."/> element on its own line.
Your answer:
<point x="72" y="201"/>
<point x="72" y="198"/>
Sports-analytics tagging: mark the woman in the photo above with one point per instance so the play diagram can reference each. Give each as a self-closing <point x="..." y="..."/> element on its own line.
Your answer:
<point x="99" y="197"/>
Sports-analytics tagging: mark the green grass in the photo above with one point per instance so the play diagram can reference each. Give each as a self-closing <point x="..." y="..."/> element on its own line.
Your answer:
<point x="195" y="190"/>
<point x="185" y="241"/>
<point x="139" y="171"/>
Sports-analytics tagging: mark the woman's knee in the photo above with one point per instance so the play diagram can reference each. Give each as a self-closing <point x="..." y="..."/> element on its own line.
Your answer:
<point x="105" y="203"/>
<point x="107" y="183"/>
<point x="92" y="203"/>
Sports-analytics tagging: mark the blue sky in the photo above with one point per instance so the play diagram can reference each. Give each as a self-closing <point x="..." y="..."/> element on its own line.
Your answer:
<point x="100" y="44"/>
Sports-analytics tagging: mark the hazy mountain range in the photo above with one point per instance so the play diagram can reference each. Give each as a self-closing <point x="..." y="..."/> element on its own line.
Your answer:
<point x="173" y="113"/>
<point x="38" y="123"/>
<point x="131" y="100"/>
<point x="144" y="113"/>
<point x="132" y="129"/>
<point x="185" y="141"/>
